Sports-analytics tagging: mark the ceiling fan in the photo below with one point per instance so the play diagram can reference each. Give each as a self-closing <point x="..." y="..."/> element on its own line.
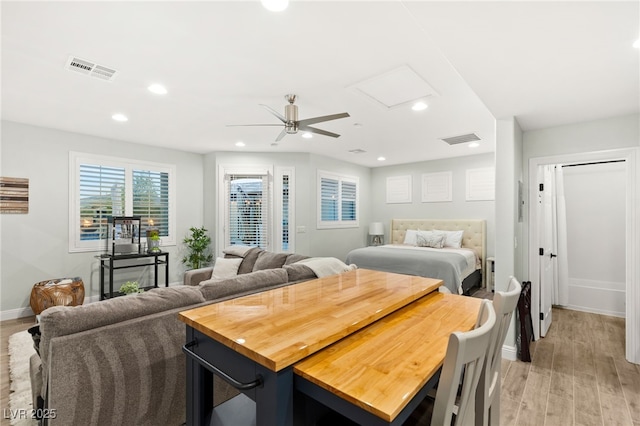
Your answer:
<point x="291" y="123"/>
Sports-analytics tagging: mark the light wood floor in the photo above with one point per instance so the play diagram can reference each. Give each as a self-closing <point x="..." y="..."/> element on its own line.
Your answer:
<point x="578" y="375"/>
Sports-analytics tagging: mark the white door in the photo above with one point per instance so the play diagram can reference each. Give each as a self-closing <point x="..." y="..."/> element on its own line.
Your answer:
<point x="545" y="227"/>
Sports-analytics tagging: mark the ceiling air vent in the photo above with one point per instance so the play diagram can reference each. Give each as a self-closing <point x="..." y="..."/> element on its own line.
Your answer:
<point x="357" y="151"/>
<point x="90" y="68"/>
<point x="455" y="140"/>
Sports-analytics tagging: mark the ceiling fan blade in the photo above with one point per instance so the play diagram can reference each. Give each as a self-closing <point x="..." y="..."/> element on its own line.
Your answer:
<point x="245" y="125"/>
<point x="274" y="112"/>
<point x="282" y="134"/>
<point x="318" y="131"/>
<point x="315" y="120"/>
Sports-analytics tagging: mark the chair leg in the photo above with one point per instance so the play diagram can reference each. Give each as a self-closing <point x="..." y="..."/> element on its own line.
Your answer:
<point x="494" y="410"/>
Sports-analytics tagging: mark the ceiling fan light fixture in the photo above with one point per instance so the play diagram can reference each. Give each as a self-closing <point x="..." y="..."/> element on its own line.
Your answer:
<point x="275" y="5"/>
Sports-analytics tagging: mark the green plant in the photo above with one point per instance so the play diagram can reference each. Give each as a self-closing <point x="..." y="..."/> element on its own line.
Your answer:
<point x="198" y="245"/>
<point x="130" y="287"/>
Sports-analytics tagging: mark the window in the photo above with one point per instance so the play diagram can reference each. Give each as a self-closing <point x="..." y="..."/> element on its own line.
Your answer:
<point x="284" y="214"/>
<point x="247" y="206"/>
<point x="338" y="201"/>
<point x="102" y="187"/>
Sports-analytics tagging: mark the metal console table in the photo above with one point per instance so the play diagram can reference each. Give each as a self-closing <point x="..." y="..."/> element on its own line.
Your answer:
<point x="107" y="261"/>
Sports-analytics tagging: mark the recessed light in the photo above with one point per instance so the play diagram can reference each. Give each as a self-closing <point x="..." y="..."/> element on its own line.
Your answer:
<point x="473" y="145"/>
<point x="636" y="44"/>
<point x="381" y="158"/>
<point x="419" y="106"/>
<point x="307" y="135"/>
<point x="158" y="89"/>
<point x="120" y="117"/>
<point x="275" y="5"/>
<point x="239" y="143"/>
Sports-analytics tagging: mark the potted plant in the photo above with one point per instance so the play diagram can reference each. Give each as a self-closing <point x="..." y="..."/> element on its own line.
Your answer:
<point x="198" y="246"/>
<point x="154" y="243"/>
<point x="130" y="287"/>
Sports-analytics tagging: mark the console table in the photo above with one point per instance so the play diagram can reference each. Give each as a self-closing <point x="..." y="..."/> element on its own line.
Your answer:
<point x="109" y="262"/>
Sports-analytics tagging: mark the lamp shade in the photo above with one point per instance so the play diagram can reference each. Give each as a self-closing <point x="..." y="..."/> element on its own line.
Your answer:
<point x="376" y="228"/>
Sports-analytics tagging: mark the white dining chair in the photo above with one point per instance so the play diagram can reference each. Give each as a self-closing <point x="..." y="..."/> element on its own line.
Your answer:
<point x="466" y="354"/>
<point x="487" y="404"/>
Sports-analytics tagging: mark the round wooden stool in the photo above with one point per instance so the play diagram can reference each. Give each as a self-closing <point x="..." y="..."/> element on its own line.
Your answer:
<point x="56" y="292"/>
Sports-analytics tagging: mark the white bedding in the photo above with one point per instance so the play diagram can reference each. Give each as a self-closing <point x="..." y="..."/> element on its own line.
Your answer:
<point x="473" y="262"/>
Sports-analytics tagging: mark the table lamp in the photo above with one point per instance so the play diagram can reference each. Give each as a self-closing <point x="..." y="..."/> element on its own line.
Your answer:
<point x="376" y="230"/>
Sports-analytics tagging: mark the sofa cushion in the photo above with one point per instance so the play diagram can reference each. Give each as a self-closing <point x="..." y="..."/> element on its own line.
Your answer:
<point x="237" y="250"/>
<point x="269" y="260"/>
<point x="294" y="257"/>
<point x="249" y="260"/>
<point x="299" y="272"/>
<point x="243" y="284"/>
<point x="64" y="320"/>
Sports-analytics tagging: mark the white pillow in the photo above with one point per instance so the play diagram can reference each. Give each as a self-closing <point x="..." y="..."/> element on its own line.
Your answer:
<point x="410" y="237"/>
<point x="430" y="239"/>
<point x="226" y="268"/>
<point x="452" y="239"/>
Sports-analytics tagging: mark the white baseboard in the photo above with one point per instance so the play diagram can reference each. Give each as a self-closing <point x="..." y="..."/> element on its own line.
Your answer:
<point x="509" y="353"/>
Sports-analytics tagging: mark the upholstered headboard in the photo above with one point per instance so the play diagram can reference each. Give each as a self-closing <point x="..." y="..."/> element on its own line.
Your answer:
<point x="474" y="236"/>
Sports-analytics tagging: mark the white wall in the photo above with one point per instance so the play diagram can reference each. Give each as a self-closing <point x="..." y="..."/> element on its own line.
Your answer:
<point x="312" y="242"/>
<point x="595" y="201"/>
<point x="459" y="208"/>
<point x="34" y="246"/>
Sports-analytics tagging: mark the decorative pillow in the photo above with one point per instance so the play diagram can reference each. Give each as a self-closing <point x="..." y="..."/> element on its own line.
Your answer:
<point x="452" y="239"/>
<point x="226" y="268"/>
<point x="269" y="260"/>
<point x="243" y="284"/>
<point x="294" y="257"/>
<point x="430" y="239"/>
<point x="250" y="258"/>
<point x="299" y="272"/>
<point x="237" y="250"/>
<point x="410" y="237"/>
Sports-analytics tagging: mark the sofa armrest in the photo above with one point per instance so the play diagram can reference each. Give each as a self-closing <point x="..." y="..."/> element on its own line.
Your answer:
<point x="196" y="276"/>
<point x="35" y="375"/>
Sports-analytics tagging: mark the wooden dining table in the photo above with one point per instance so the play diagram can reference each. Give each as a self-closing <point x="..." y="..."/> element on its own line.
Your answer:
<point x="254" y="342"/>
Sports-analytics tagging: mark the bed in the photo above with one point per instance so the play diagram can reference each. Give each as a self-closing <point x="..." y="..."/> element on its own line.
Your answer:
<point x="460" y="269"/>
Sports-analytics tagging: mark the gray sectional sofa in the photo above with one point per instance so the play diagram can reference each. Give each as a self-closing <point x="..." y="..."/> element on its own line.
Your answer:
<point x="119" y="361"/>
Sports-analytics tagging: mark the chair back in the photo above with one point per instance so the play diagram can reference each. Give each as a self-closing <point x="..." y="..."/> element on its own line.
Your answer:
<point x="504" y="304"/>
<point x="466" y="354"/>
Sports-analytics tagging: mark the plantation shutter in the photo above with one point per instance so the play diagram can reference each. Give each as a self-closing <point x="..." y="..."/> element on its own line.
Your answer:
<point x="247" y="214"/>
<point x="329" y="192"/>
<point x="348" y="192"/>
<point x="101" y="194"/>
<point x="151" y="199"/>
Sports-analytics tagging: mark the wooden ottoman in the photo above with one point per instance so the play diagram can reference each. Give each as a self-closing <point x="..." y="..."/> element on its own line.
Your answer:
<point x="56" y="292"/>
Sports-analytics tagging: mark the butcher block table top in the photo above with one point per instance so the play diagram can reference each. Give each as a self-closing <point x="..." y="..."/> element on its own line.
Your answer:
<point x="280" y="327"/>
<point x="381" y="367"/>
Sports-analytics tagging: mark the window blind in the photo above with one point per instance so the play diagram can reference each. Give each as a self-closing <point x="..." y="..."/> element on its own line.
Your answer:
<point x="248" y="210"/>
<point x="329" y="191"/>
<point x="101" y="193"/>
<point x="151" y="199"/>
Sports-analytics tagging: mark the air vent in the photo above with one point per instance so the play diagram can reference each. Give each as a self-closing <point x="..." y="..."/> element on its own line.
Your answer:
<point x="357" y="151"/>
<point x="455" y="140"/>
<point x="90" y="68"/>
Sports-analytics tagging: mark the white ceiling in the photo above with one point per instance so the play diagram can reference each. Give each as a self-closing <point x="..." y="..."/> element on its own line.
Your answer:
<point x="546" y="63"/>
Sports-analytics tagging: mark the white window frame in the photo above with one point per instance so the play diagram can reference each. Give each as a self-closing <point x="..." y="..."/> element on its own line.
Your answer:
<point x="325" y="224"/>
<point x="78" y="158"/>
<point x="278" y="211"/>
<point x="223" y="219"/>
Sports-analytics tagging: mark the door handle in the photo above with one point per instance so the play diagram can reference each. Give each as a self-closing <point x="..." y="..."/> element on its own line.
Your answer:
<point x="553" y="255"/>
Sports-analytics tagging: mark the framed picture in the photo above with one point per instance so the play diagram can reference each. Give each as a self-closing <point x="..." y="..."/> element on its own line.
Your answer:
<point x="481" y="184"/>
<point x="399" y="189"/>
<point x="437" y="187"/>
<point x="14" y="195"/>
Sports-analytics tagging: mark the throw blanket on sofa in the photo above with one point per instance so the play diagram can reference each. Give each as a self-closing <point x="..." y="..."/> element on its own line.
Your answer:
<point x="325" y="266"/>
